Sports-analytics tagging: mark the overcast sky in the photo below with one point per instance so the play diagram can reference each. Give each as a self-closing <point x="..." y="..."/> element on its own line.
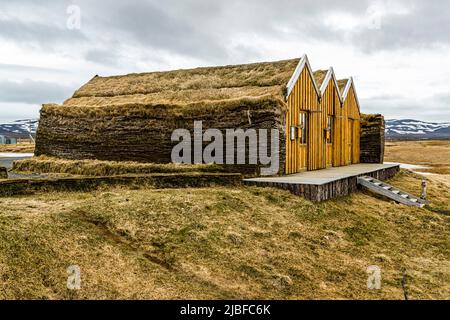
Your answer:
<point x="397" y="51"/>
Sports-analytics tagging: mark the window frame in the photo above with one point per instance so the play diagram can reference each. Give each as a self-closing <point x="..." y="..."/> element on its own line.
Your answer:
<point x="329" y="129"/>
<point x="303" y="127"/>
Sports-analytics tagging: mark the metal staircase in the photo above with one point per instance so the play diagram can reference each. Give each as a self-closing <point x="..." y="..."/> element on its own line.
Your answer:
<point x="391" y="192"/>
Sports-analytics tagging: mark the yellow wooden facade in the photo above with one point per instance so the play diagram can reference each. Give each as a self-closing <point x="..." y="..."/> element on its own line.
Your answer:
<point x="354" y="125"/>
<point x="302" y="141"/>
<point x="322" y="124"/>
<point x="331" y="105"/>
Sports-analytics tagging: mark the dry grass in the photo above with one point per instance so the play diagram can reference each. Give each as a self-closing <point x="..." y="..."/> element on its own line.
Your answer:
<point x="431" y="153"/>
<point x="223" y="243"/>
<point x="342" y="84"/>
<point x="22" y="147"/>
<point x="319" y="76"/>
<point x="176" y="97"/>
<point x="181" y="86"/>
<point x="44" y="164"/>
<point x="162" y="110"/>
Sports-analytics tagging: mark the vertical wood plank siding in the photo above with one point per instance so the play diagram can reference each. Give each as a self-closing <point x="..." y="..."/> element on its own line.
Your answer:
<point x="330" y="101"/>
<point x="317" y="153"/>
<point x="354" y="117"/>
<point x="304" y="98"/>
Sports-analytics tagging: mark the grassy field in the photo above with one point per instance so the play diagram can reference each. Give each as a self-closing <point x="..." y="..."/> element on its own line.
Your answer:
<point x="226" y="242"/>
<point x="432" y="153"/>
<point x="223" y="243"/>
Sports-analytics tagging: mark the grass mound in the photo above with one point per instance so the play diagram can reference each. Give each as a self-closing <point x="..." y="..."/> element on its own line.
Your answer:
<point x="198" y="84"/>
<point x="43" y="164"/>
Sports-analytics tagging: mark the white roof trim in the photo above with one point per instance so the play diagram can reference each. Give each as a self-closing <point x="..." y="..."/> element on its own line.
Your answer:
<point x="324" y="85"/>
<point x="330" y="76"/>
<point x="347" y="88"/>
<point x="298" y="71"/>
<point x="351" y="83"/>
<point x="356" y="96"/>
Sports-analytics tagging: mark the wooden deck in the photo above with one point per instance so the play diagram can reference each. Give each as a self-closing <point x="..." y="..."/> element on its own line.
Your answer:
<point x="328" y="183"/>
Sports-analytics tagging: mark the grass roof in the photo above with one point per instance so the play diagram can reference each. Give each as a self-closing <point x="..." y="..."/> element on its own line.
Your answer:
<point x="341" y="84"/>
<point x="89" y="108"/>
<point x="319" y="76"/>
<point x="187" y="86"/>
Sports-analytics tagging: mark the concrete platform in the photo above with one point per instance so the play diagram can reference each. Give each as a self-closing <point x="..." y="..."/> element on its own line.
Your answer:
<point x="328" y="183"/>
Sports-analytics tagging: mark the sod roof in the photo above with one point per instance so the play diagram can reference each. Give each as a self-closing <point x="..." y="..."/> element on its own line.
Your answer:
<point x="342" y="84"/>
<point x="188" y="86"/>
<point x="320" y="76"/>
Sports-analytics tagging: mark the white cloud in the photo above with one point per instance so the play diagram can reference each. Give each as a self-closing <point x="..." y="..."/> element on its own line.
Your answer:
<point x="397" y="51"/>
<point x="17" y="111"/>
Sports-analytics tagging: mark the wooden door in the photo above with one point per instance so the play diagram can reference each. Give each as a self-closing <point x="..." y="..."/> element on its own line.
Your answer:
<point x="315" y="141"/>
<point x="303" y="145"/>
<point x="350" y="141"/>
<point x="297" y="141"/>
<point x="329" y="140"/>
<point x="356" y="141"/>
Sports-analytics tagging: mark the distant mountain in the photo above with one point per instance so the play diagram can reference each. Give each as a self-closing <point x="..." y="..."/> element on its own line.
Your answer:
<point x="19" y="128"/>
<point x="395" y="129"/>
<point x="415" y="129"/>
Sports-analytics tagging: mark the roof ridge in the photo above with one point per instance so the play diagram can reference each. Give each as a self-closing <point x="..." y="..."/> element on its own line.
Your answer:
<point x="216" y="67"/>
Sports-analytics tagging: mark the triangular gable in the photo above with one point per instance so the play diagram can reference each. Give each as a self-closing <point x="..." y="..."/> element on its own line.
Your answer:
<point x="304" y="62"/>
<point x="349" y="85"/>
<point x="330" y="76"/>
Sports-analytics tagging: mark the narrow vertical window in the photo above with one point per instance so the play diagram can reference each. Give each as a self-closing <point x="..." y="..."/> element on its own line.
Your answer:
<point x="302" y="125"/>
<point x="293" y="133"/>
<point x="329" y="129"/>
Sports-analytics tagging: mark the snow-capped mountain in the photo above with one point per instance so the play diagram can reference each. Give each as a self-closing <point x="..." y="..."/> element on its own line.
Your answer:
<point x="395" y="129"/>
<point x="19" y="128"/>
<point x="415" y="129"/>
